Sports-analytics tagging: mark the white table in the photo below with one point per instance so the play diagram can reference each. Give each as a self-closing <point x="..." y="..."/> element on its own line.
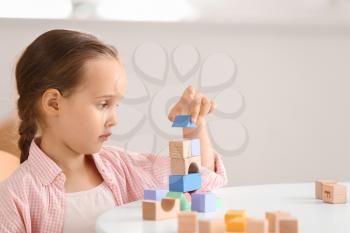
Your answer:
<point x="298" y="199"/>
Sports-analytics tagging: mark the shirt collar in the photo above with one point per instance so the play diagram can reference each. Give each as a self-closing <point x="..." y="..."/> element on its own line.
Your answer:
<point x="42" y="166"/>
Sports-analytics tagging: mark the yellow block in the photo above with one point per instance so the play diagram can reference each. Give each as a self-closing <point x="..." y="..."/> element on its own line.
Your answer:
<point x="237" y="225"/>
<point x="232" y="214"/>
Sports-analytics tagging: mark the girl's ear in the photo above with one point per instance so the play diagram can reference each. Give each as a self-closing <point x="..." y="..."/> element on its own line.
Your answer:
<point x="50" y="102"/>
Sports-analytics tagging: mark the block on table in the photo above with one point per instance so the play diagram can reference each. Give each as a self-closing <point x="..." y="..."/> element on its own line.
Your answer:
<point x="232" y="214"/>
<point x="318" y="187"/>
<point x="204" y="202"/>
<point x="185" y="204"/>
<point x="287" y="225"/>
<point x="187" y="222"/>
<point x="154" y="194"/>
<point x="158" y="210"/>
<point x="273" y="216"/>
<point x="257" y="225"/>
<point x="334" y="193"/>
<point x="237" y="225"/>
<point x="211" y="226"/>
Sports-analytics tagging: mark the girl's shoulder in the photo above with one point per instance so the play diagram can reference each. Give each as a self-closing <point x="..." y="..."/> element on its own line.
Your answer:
<point x="18" y="182"/>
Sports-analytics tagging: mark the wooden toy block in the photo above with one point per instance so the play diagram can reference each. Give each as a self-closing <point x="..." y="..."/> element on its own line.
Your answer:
<point x="184" y="121"/>
<point x="180" y="149"/>
<point x="195" y="147"/>
<point x="218" y="203"/>
<point x="211" y="226"/>
<point x="154" y="194"/>
<point x="190" y="182"/>
<point x="318" y="187"/>
<point x="182" y="167"/>
<point x="184" y="203"/>
<point x="257" y="225"/>
<point x="273" y="216"/>
<point x="237" y="225"/>
<point x="158" y="210"/>
<point x="184" y="148"/>
<point x="232" y="214"/>
<point x="287" y="225"/>
<point x="334" y="193"/>
<point x="204" y="202"/>
<point x="187" y="222"/>
<point x="188" y="197"/>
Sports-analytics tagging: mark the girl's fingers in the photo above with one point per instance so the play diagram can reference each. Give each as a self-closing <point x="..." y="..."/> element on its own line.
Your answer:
<point x="205" y="107"/>
<point x="212" y="106"/>
<point x="196" y="106"/>
<point x="188" y="95"/>
<point x="173" y="112"/>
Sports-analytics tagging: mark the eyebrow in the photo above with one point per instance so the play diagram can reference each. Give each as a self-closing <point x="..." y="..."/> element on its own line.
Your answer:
<point x="110" y="96"/>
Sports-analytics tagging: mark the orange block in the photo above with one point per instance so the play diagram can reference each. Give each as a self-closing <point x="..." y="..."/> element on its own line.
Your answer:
<point x="257" y="225"/>
<point x="157" y="210"/>
<point x="232" y="214"/>
<point x="187" y="222"/>
<point x="318" y="187"/>
<point x="211" y="226"/>
<point x="334" y="193"/>
<point x="236" y="225"/>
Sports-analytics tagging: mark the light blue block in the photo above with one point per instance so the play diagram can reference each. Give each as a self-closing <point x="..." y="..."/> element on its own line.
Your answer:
<point x="190" y="182"/>
<point x="184" y="121"/>
<point x="204" y="202"/>
<point x="196" y="147"/>
<point x="154" y="194"/>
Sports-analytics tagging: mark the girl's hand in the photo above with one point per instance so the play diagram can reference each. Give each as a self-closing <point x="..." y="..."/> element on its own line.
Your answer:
<point x="192" y="103"/>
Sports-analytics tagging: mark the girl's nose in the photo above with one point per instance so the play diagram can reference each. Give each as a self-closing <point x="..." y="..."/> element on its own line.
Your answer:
<point x="112" y="120"/>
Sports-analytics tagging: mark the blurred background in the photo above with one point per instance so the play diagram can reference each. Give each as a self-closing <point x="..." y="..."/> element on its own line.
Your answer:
<point x="278" y="70"/>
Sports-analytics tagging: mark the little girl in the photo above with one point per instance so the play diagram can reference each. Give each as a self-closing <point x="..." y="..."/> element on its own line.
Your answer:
<point x="69" y="85"/>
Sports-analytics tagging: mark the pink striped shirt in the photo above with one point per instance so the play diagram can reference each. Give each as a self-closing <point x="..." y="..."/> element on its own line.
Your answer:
<point x="33" y="198"/>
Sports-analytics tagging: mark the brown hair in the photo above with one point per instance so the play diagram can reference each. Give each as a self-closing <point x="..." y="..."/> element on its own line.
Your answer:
<point x="54" y="60"/>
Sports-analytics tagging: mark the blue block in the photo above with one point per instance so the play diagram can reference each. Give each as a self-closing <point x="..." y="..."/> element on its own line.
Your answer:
<point x="190" y="182"/>
<point x="203" y="202"/>
<point x="196" y="147"/>
<point x="184" y="121"/>
<point x="154" y="194"/>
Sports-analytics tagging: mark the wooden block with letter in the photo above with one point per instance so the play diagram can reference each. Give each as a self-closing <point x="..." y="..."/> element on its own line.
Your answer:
<point x="158" y="210"/>
<point x="318" y="187"/>
<point x="334" y="193"/>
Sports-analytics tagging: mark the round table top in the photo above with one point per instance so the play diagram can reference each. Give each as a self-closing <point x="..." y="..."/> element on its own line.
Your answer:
<point x="297" y="199"/>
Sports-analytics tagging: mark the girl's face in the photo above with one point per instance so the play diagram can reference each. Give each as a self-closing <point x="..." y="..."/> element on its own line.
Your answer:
<point x="87" y="116"/>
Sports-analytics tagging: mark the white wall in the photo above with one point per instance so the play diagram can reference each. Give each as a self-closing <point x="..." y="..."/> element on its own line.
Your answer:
<point x="287" y="116"/>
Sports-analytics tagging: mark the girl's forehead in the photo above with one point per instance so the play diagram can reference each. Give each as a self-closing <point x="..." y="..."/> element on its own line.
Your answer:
<point x="104" y="77"/>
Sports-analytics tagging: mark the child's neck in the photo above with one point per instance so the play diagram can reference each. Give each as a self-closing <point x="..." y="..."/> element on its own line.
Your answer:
<point x="66" y="158"/>
<point x="80" y="170"/>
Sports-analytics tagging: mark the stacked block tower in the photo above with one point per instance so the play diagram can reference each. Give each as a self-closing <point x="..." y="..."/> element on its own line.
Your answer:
<point x="185" y="178"/>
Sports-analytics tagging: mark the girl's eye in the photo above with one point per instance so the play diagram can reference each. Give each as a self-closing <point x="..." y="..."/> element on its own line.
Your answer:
<point x="102" y="105"/>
